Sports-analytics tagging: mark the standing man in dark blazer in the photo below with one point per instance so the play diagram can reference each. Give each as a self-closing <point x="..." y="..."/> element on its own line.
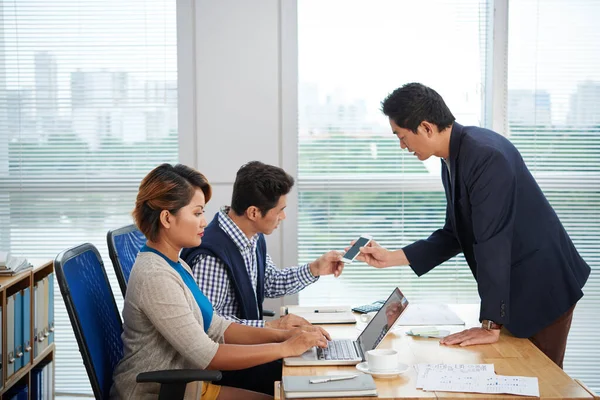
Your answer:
<point x="529" y="274"/>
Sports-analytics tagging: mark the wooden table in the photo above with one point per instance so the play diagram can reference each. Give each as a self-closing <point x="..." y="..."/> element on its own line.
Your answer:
<point x="510" y="356"/>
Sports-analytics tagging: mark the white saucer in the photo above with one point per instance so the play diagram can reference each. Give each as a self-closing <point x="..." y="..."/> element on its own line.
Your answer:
<point x="364" y="367"/>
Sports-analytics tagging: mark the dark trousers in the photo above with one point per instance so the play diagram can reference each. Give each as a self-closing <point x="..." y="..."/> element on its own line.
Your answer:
<point x="258" y="379"/>
<point x="552" y="340"/>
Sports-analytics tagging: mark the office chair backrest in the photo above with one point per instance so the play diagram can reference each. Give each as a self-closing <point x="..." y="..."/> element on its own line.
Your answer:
<point x="93" y="313"/>
<point x="124" y="244"/>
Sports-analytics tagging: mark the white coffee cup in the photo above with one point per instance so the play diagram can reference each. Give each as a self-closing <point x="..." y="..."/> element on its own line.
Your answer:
<point x="368" y="316"/>
<point x="382" y="360"/>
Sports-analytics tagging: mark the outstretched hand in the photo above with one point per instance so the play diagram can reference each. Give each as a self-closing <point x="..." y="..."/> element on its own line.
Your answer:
<point x="329" y="263"/>
<point x="374" y="255"/>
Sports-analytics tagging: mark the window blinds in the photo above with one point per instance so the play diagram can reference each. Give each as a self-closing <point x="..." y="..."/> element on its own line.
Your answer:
<point x="353" y="177"/>
<point x="554" y="120"/>
<point x="88" y="105"/>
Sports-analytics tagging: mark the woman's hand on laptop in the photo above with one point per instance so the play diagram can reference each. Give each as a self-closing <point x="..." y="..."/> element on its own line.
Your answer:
<point x="288" y="321"/>
<point x="303" y="341"/>
<point x="308" y="328"/>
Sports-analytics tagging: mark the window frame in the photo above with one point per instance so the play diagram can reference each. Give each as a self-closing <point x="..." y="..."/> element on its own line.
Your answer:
<point x="495" y="117"/>
<point x="493" y="110"/>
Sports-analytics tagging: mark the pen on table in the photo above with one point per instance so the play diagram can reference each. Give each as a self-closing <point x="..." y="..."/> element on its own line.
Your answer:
<point x="333" y="378"/>
<point x="329" y="311"/>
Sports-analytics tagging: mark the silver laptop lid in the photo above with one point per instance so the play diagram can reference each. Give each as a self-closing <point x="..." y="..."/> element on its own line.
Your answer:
<point x="383" y="321"/>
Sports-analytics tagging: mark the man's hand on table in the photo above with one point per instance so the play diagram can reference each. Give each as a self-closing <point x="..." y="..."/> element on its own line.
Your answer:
<point x="472" y="336"/>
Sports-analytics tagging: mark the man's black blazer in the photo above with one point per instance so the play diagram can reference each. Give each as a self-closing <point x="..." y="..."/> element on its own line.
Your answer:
<point x="528" y="271"/>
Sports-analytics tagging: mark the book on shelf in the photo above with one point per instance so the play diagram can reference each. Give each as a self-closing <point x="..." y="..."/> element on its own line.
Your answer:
<point x="300" y="387"/>
<point x="11" y="265"/>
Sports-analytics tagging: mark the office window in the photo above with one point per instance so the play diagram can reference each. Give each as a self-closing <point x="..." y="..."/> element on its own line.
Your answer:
<point x="353" y="177"/>
<point x="88" y="105"/>
<point x="554" y="120"/>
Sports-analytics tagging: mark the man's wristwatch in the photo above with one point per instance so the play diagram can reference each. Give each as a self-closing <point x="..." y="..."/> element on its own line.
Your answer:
<point x="489" y="325"/>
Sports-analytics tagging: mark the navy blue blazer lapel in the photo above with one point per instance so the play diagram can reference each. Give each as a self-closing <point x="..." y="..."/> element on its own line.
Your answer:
<point x="446" y="181"/>
<point x="455" y="138"/>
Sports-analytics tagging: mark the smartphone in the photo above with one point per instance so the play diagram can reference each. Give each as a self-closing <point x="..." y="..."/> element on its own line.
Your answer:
<point x="353" y="251"/>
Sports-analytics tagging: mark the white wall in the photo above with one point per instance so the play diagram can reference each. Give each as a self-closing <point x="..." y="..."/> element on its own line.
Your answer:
<point x="238" y="67"/>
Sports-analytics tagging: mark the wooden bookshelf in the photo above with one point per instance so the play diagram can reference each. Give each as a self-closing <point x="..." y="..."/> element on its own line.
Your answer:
<point x="10" y="285"/>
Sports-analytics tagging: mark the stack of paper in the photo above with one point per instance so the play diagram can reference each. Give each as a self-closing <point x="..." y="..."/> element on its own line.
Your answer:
<point x="10" y="265"/>
<point x="428" y="332"/>
<point x="473" y="378"/>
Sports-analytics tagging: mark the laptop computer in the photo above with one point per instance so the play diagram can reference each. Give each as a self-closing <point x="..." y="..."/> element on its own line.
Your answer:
<point x="352" y="352"/>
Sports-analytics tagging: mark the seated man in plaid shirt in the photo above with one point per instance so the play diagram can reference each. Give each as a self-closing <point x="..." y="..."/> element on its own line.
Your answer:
<point x="234" y="270"/>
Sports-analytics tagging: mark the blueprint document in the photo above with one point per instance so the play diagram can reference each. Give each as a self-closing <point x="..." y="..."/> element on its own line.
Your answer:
<point x="473" y="378"/>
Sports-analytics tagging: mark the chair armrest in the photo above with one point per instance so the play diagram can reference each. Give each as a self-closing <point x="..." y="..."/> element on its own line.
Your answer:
<point x="268" y="313"/>
<point x="179" y="376"/>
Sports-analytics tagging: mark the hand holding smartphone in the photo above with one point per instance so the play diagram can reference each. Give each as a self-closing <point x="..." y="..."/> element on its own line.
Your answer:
<point x="353" y="251"/>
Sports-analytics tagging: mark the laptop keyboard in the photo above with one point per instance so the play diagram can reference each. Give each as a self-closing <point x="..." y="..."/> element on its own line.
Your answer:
<point x="338" y="350"/>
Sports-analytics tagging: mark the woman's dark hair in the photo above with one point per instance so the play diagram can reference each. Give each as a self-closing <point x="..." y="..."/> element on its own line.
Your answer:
<point x="166" y="187"/>
<point x="260" y="185"/>
<point x="414" y="103"/>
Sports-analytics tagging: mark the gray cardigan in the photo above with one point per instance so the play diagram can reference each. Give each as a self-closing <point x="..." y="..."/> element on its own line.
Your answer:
<point x="162" y="328"/>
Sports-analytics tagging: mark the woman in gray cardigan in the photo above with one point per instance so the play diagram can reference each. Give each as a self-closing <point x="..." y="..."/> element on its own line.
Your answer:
<point x="168" y="323"/>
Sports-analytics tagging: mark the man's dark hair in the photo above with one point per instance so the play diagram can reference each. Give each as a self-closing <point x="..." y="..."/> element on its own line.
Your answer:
<point x="414" y="103"/>
<point x="260" y="185"/>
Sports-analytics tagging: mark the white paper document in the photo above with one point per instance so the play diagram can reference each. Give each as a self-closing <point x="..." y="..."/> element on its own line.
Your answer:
<point x="473" y="378"/>
<point x="424" y="371"/>
<point x="429" y="314"/>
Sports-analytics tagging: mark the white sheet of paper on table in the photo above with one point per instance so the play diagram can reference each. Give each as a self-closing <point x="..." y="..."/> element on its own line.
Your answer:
<point x="424" y="370"/>
<point x="481" y="383"/>
<point x="473" y="378"/>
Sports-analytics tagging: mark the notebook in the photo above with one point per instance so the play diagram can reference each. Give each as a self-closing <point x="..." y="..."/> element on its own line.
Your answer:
<point x="296" y="387"/>
<point x="352" y="352"/>
<point x="323" y="315"/>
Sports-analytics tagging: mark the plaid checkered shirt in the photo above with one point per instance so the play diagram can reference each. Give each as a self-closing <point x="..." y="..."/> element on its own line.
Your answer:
<point x="211" y="274"/>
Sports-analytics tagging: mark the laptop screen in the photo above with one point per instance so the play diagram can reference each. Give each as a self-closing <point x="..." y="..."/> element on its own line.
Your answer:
<point x="383" y="321"/>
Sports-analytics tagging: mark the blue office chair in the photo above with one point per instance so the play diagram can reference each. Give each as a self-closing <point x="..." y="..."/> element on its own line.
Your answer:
<point x="97" y="325"/>
<point x="124" y="244"/>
